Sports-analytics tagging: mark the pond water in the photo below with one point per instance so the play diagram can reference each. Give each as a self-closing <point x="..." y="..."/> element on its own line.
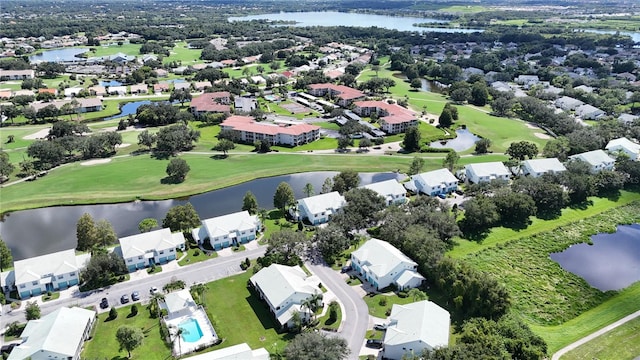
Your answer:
<point x="42" y="231"/>
<point x="58" y="55"/>
<point x="129" y="108"/>
<point x="464" y="140"/>
<point x="635" y="36"/>
<point x="334" y="18"/>
<point x="611" y="263"/>
<point x="110" y="83"/>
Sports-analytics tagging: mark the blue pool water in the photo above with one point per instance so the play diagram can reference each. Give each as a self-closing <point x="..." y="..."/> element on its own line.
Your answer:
<point x="191" y="331"/>
<point x="110" y="83"/>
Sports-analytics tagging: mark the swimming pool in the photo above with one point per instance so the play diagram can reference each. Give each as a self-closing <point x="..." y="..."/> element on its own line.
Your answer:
<point x="191" y="331"/>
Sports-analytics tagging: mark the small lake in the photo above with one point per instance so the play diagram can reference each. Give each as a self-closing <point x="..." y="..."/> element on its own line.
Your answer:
<point x="58" y="55"/>
<point x="334" y="18"/>
<point x="110" y="83"/>
<point x="464" y="140"/>
<point x="42" y="231"/>
<point x="129" y="108"/>
<point x="611" y="263"/>
<point x="635" y="36"/>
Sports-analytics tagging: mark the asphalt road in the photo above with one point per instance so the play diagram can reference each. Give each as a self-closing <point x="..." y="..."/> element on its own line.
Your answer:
<point x="354" y="327"/>
<point x="201" y="272"/>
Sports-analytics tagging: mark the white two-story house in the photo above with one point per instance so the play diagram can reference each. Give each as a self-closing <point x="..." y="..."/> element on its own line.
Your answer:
<point x="381" y="264"/>
<point x="434" y="182"/>
<point x="626" y="146"/>
<point x="318" y="209"/>
<point x="51" y="272"/>
<point x="391" y="190"/>
<point x="485" y="172"/>
<point x="598" y="160"/>
<point x="285" y="289"/>
<point x="150" y="248"/>
<point x="539" y="167"/>
<point x="227" y="230"/>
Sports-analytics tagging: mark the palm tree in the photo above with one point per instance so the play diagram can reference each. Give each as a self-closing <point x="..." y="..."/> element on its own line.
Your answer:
<point x="199" y="290"/>
<point x="154" y="303"/>
<point x="308" y="190"/>
<point x="417" y="294"/>
<point x="178" y="333"/>
<point x="263" y="214"/>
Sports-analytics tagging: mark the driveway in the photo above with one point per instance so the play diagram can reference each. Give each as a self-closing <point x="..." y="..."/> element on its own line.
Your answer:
<point x="355" y="314"/>
<point x="202" y="272"/>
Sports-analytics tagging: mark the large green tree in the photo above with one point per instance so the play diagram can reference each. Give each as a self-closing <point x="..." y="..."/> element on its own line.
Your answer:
<point x="283" y="197"/>
<point x="250" y="203"/>
<point x="6" y="259"/>
<point x="86" y="232"/>
<point x="177" y="169"/>
<point x="522" y="149"/>
<point x="105" y="234"/>
<point x="147" y="224"/>
<point x="181" y="218"/>
<point x="345" y="181"/>
<point x="129" y="338"/>
<point x="331" y="242"/>
<point x="412" y="138"/>
<point x="285" y="247"/>
<point x="316" y="346"/>
<point x="451" y="160"/>
<point x="6" y="167"/>
<point x="32" y="310"/>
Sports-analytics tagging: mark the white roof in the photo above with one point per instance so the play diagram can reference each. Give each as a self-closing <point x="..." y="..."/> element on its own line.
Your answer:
<point x="624" y="143"/>
<point x="407" y="277"/>
<point x="489" y="169"/>
<point x="436" y="177"/>
<point x="279" y="282"/>
<point x="178" y="300"/>
<point x="388" y="187"/>
<point x="32" y="269"/>
<point x="323" y="202"/>
<point x="230" y="223"/>
<point x="60" y="332"/>
<point x="235" y="352"/>
<point x="594" y="158"/>
<point x="140" y="244"/>
<point x="419" y="321"/>
<point x="545" y="165"/>
<point x="380" y="257"/>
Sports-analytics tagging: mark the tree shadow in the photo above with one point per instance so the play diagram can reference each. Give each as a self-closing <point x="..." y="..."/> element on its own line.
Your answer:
<point x="140" y="152"/>
<point x="161" y="155"/>
<point x="477" y="235"/>
<point x="170" y="180"/>
<point x="549" y="215"/>
<point x="261" y="311"/>
<point x="583" y="205"/>
<point x="613" y="195"/>
<point x="517" y="225"/>
<point x="219" y="157"/>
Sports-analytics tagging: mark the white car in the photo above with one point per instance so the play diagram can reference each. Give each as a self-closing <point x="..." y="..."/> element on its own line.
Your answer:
<point x="153" y="290"/>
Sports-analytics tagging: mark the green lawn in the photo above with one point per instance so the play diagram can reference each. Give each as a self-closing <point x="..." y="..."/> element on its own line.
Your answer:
<point x="621" y="343"/>
<point x="327" y="324"/>
<point x="192" y="258"/>
<point x="182" y="53"/>
<point x="501" y="235"/>
<point x="105" y="346"/>
<point x="240" y="316"/>
<point x="127" y="49"/>
<point x="376" y="307"/>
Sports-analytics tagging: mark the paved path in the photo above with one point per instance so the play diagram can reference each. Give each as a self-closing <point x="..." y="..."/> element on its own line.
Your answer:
<point x="355" y="313"/>
<point x="594" y="335"/>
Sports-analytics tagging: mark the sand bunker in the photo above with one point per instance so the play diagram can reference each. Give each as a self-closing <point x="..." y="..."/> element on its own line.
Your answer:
<point x="41" y="134"/>
<point x="531" y="126"/>
<point x="95" y="162"/>
<point x="122" y="145"/>
<point x="542" y="136"/>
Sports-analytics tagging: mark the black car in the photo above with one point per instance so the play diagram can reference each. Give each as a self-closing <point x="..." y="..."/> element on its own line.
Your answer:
<point x="346" y="268"/>
<point x="124" y="299"/>
<point x="374" y="343"/>
<point x="135" y="296"/>
<point x="104" y="303"/>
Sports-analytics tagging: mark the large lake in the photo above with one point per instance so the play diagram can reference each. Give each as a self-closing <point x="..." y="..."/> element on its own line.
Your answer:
<point x="41" y="231"/>
<point x="635" y="36"/>
<point x="58" y="55"/>
<point x="611" y="263"/>
<point x="334" y="18"/>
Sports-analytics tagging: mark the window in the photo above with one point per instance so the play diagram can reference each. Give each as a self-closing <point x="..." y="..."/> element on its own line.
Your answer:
<point x="60" y="277"/>
<point x="72" y="274"/>
<point x="34" y="283"/>
<point x="139" y="257"/>
<point x="22" y="286"/>
<point x="161" y="252"/>
<point x="170" y="250"/>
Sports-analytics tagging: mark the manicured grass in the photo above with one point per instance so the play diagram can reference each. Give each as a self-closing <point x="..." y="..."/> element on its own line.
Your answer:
<point x="54" y="296"/>
<point x="355" y="281"/>
<point x="560" y="306"/>
<point x="240" y="316"/>
<point x="618" y="306"/>
<point x="327" y="324"/>
<point x="378" y="310"/>
<point x="105" y="346"/>
<point x="127" y="49"/>
<point x="182" y="53"/>
<point x="621" y="343"/>
<point x="192" y="258"/>
<point x="501" y="235"/>
<point x="375" y="334"/>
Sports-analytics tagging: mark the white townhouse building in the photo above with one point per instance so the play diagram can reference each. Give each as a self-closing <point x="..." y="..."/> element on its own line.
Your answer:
<point x="227" y="230"/>
<point x="285" y="289"/>
<point x="485" y="172"/>
<point x="626" y="146"/>
<point x="58" y="335"/>
<point x="597" y="159"/>
<point x="235" y="352"/>
<point x="539" y="167"/>
<point x="318" y="209"/>
<point x="381" y="264"/>
<point x="16" y="74"/>
<point x="414" y="327"/>
<point x="434" y="182"/>
<point x="391" y="190"/>
<point x="40" y="274"/>
<point x="150" y="248"/>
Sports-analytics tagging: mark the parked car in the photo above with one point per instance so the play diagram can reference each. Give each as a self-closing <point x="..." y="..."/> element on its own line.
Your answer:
<point x="459" y="192"/>
<point x="442" y="196"/>
<point x="346" y="268"/>
<point x="380" y="326"/>
<point x="135" y="296"/>
<point x="104" y="303"/>
<point x="374" y="343"/>
<point x="153" y="290"/>
<point x="124" y="299"/>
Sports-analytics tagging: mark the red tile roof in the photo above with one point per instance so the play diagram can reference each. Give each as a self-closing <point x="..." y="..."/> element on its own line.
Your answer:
<point x="345" y="92"/>
<point x="397" y="114"/>
<point x="208" y="102"/>
<point x="248" y="124"/>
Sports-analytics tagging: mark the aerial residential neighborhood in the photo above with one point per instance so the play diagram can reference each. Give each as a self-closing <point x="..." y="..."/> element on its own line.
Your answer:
<point x="320" y="180"/>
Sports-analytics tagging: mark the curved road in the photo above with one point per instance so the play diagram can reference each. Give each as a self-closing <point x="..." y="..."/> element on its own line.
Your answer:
<point x="355" y="310"/>
<point x="558" y="354"/>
